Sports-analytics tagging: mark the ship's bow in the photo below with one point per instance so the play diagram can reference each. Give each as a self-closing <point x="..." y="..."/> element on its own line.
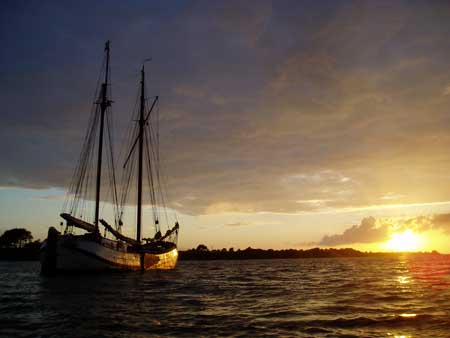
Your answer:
<point x="48" y="252"/>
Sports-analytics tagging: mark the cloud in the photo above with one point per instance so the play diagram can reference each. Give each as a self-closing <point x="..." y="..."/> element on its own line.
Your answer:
<point x="252" y="223"/>
<point x="320" y="202"/>
<point x="391" y="196"/>
<point x="237" y="224"/>
<point x="446" y="91"/>
<point x="440" y="222"/>
<point x="265" y="106"/>
<point x="366" y="232"/>
<point x="372" y="230"/>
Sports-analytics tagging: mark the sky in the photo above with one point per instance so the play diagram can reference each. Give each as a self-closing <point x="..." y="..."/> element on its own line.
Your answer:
<point x="283" y="123"/>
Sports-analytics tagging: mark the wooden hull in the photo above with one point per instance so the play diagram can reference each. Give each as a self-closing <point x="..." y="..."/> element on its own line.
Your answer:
<point x="80" y="253"/>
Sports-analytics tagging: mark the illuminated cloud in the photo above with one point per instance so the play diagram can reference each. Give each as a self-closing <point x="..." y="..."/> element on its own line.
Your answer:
<point x="372" y="230"/>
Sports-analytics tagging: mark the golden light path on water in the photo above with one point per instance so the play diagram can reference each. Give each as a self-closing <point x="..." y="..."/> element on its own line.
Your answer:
<point x="420" y="270"/>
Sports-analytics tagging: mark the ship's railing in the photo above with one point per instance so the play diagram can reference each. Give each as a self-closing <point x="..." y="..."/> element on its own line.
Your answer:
<point x="114" y="245"/>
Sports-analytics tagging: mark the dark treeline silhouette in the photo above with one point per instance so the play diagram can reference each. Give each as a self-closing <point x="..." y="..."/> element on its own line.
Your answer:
<point x="202" y="253"/>
<point x="18" y="244"/>
<point x="15" y="238"/>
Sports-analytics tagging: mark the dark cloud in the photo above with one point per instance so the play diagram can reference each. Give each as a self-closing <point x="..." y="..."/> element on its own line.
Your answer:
<point x="266" y="106"/>
<point x="441" y="221"/>
<point x="366" y="232"/>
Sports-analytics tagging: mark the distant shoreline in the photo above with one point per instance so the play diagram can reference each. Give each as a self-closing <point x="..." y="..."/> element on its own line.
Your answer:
<point x="32" y="254"/>
<point x="250" y="253"/>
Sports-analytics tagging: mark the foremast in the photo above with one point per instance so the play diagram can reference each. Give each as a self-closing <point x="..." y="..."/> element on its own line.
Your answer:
<point x="140" y="160"/>
<point x="104" y="103"/>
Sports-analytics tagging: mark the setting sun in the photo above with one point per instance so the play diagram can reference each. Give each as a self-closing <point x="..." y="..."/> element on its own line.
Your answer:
<point x="404" y="241"/>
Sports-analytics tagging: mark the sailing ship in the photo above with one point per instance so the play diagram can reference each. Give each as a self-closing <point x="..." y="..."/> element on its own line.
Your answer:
<point x="112" y="249"/>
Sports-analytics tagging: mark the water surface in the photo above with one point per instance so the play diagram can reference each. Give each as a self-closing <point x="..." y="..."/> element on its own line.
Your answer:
<point x="339" y="297"/>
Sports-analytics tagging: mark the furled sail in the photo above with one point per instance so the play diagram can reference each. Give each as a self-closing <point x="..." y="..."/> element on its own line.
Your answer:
<point x="117" y="234"/>
<point x="79" y="223"/>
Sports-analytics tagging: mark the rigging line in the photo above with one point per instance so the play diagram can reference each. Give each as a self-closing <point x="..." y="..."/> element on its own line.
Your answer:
<point x="84" y="184"/>
<point x="130" y="171"/>
<point x="86" y="171"/>
<point x="83" y="161"/>
<point x="157" y="169"/>
<point x="127" y="174"/>
<point x="150" y="177"/>
<point x="162" y="178"/>
<point x="156" y="186"/>
<point x="110" y="185"/>
<point x="112" y="170"/>
<point x="79" y="169"/>
<point x="149" y="171"/>
<point x="73" y="180"/>
<point x="165" y="189"/>
<point x="153" y="152"/>
<point x="93" y="110"/>
<point x="157" y="137"/>
<point x="152" y="202"/>
<point x="158" y="162"/>
<point x="87" y="145"/>
<point x="131" y="128"/>
<point x="84" y="198"/>
<point x="137" y="138"/>
<point x="108" y="193"/>
<point x="163" y="200"/>
<point x="83" y="172"/>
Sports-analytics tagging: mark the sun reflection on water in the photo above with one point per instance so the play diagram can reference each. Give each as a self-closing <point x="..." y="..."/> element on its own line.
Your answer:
<point x="408" y="315"/>
<point x="397" y="336"/>
<point x="403" y="279"/>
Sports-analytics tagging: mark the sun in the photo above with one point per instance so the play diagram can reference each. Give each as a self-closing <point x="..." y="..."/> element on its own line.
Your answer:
<point x="404" y="241"/>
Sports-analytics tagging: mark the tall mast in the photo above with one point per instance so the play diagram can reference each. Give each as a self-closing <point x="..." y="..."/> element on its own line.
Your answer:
<point x="104" y="104"/>
<point x="141" y="145"/>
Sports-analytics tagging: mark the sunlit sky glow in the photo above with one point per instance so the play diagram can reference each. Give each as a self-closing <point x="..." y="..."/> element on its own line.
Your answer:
<point x="285" y="124"/>
<point x="405" y="241"/>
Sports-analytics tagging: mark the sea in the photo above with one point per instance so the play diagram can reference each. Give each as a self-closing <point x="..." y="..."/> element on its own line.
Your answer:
<point x="398" y="296"/>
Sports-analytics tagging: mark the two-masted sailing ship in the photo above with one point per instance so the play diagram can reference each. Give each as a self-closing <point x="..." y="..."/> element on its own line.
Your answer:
<point x="102" y="246"/>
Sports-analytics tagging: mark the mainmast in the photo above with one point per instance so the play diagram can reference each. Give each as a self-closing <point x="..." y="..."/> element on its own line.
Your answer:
<point x="104" y="104"/>
<point x="141" y="146"/>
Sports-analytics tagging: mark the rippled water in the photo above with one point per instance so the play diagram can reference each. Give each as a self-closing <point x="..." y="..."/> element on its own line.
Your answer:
<point x="343" y="297"/>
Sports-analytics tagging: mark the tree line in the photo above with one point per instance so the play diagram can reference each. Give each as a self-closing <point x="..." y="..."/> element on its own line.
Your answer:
<point x="16" y="238"/>
<point x="203" y="253"/>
